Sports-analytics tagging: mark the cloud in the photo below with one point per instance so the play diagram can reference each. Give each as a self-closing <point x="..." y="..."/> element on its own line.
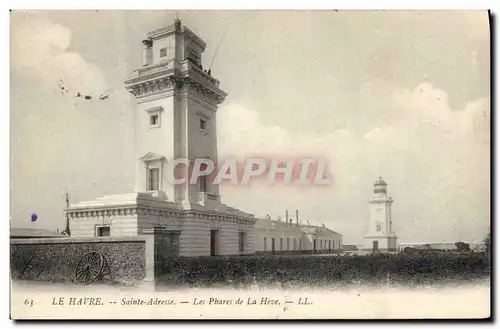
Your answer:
<point x="54" y="136"/>
<point x="432" y="156"/>
<point x="235" y="126"/>
<point x="40" y="48"/>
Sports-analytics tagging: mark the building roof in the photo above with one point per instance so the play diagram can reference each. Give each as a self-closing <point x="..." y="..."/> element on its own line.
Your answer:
<point x="274" y="224"/>
<point x="33" y="233"/>
<point x="317" y="229"/>
<point x="265" y="223"/>
<point x="380" y="182"/>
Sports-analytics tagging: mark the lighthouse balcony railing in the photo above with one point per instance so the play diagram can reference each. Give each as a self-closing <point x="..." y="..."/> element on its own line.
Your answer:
<point x="155" y="68"/>
<point x="199" y="75"/>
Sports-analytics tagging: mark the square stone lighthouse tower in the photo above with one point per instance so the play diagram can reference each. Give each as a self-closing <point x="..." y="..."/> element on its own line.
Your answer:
<point x="176" y="114"/>
<point x="175" y="118"/>
<point x="380" y="236"/>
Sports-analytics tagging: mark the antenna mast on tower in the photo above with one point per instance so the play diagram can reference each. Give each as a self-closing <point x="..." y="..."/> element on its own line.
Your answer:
<point x="218" y="46"/>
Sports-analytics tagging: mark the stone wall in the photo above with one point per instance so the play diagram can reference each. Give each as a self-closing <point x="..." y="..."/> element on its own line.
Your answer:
<point x="56" y="259"/>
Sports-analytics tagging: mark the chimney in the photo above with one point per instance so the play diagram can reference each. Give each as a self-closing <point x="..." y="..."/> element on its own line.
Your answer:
<point x="297" y="217"/>
<point x="147" y="52"/>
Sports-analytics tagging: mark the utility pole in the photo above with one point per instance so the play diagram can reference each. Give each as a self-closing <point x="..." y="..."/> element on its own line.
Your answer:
<point x="67" y="230"/>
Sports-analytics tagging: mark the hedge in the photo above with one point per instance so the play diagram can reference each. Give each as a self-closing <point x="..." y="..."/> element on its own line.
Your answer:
<point x="419" y="268"/>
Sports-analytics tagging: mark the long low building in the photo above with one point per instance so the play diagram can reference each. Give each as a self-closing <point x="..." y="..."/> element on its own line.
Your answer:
<point x="276" y="236"/>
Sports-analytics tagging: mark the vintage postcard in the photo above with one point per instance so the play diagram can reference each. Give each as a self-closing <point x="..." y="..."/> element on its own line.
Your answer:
<point x="326" y="164"/>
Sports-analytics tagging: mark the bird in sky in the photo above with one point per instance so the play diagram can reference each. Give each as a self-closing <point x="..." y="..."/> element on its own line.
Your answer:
<point x="105" y="95"/>
<point x="63" y="87"/>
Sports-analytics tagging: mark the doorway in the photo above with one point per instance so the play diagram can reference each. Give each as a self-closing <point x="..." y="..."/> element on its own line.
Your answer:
<point x="375" y="246"/>
<point x="272" y="245"/>
<point x="214" y="237"/>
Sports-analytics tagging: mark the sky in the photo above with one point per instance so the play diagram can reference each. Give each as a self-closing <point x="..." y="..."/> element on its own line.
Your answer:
<point x="400" y="94"/>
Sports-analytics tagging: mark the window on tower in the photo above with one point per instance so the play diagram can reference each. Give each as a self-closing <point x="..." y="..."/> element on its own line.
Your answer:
<point x="153" y="179"/>
<point x="379" y="227"/>
<point x="203" y="124"/>
<point x="163" y="52"/>
<point x="194" y="57"/>
<point x="154" y="120"/>
<point x="203" y="184"/>
<point x="154" y="116"/>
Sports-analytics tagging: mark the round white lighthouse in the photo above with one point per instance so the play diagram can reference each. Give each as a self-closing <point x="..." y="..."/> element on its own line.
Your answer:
<point x="380" y="237"/>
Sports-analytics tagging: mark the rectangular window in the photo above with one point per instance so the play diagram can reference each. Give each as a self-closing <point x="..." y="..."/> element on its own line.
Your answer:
<point x="153" y="179"/>
<point x="265" y="244"/>
<point x="163" y="52"/>
<point x="294" y="244"/>
<point x="203" y="124"/>
<point x="193" y="56"/>
<point x="281" y="243"/>
<point x="242" y="241"/>
<point x="154" y="116"/>
<point x="203" y="184"/>
<point x="154" y="120"/>
<point x="104" y="231"/>
<point x="287" y="243"/>
<point x="174" y="239"/>
<point x="300" y="244"/>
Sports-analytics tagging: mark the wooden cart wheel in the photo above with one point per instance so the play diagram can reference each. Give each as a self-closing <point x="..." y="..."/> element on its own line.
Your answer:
<point x="89" y="268"/>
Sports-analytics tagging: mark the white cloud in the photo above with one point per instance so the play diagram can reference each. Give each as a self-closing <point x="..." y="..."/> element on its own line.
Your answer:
<point x="430" y="154"/>
<point x="41" y="49"/>
<point x="54" y="136"/>
<point x="235" y="126"/>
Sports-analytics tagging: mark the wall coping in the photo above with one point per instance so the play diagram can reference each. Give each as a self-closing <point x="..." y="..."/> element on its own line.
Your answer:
<point x="111" y="239"/>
